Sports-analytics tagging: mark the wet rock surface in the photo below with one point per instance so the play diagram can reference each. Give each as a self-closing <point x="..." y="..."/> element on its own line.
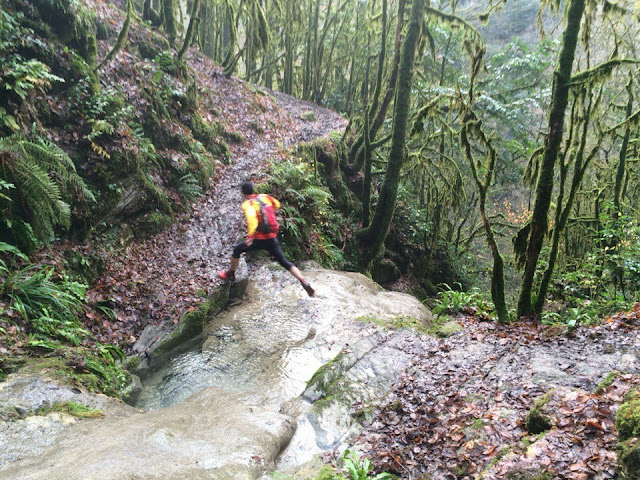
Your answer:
<point x="228" y="408"/>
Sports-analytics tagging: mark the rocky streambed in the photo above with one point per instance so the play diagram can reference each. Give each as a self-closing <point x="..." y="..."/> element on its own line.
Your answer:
<point x="269" y="385"/>
<point x="276" y="380"/>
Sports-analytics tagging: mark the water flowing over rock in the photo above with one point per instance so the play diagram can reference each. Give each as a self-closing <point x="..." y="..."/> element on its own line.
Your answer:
<point x="228" y="408"/>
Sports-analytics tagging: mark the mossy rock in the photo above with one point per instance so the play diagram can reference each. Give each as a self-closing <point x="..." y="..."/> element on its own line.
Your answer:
<point x="151" y="46"/>
<point x="628" y="416"/>
<point x="447" y="329"/>
<point x="74" y="409"/>
<point x="528" y="474"/>
<point x="69" y="19"/>
<point x="629" y="459"/>
<point x="308" y="116"/>
<point x="209" y="135"/>
<point x="191" y="324"/>
<point x="384" y="271"/>
<point x="152" y="224"/>
<point x="536" y="421"/>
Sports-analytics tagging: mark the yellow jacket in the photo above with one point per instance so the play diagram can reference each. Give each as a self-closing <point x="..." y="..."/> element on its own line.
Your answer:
<point x="251" y="208"/>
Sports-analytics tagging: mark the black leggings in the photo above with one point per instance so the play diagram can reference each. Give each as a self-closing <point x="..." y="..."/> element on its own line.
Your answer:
<point x="271" y="245"/>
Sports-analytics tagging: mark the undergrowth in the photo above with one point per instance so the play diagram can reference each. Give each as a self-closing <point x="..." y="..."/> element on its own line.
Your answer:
<point x="310" y="226"/>
<point x="39" y="312"/>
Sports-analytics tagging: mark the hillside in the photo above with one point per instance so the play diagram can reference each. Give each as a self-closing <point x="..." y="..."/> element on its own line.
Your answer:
<point x="163" y="145"/>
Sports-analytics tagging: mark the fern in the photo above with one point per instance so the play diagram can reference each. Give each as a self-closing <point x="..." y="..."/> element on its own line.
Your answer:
<point x="43" y="176"/>
<point x="189" y="187"/>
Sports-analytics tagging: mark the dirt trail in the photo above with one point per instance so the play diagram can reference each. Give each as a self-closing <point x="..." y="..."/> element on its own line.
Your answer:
<point x="460" y="411"/>
<point x="160" y="278"/>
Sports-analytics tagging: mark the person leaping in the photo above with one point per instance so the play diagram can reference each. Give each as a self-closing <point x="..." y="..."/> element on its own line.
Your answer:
<point x="262" y="234"/>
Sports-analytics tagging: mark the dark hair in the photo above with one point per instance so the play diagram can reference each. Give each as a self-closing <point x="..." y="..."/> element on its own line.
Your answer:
<point x="247" y="188"/>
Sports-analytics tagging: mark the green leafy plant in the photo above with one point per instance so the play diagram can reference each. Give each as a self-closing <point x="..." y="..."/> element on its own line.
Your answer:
<point x="48" y="309"/>
<point x="358" y="469"/>
<point x="23" y="77"/>
<point x="189" y="187"/>
<point x="309" y="224"/>
<point x="454" y="301"/>
<point x="45" y="179"/>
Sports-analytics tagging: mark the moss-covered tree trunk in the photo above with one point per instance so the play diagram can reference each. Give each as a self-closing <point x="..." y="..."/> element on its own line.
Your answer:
<point x="122" y="37"/>
<point x="580" y="164"/>
<point x="169" y="14"/>
<point x="356" y="152"/>
<point x="150" y="14"/>
<point x="553" y="138"/>
<point x="623" y="148"/>
<point x="193" y="22"/>
<point x="373" y="237"/>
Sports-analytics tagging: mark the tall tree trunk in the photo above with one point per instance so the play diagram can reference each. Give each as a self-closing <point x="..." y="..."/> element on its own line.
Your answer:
<point x="193" y="22"/>
<point x="624" y="147"/>
<point x="373" y="237"/>
<point x="544" y="187"/>
<point x="170" y="26"/>
<point x="356" y="152"/>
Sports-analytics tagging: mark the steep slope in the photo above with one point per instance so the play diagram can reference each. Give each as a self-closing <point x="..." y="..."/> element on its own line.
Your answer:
<point x="162" y="143"/>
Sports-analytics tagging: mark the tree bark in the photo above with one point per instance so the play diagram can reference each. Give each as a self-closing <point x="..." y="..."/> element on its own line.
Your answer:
<point x="623" y="148"/>
<point x="193" y="21"/>
<point x="544" y="187"/>
<point x="170" y="20"/>
<point x="373" y="237"/>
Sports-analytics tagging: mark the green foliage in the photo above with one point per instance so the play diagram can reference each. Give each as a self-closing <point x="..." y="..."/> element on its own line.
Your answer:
<point x="72" y="408"/>
<point x="49" y="309"/>
<point x="44" y="178"/>
<point x="309" y="223"/>
<point x="628" y="416"/>
<point x="189" y="187"/>
<point x="166" y="62"/>
<point x="21" y="77"/>
<point x="604" y="281"/>
<point x="358" y="469"/>
<point x="99" y="369"/>
<point x="454" y="301"/>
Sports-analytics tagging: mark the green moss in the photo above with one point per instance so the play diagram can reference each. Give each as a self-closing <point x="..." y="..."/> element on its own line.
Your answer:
<point x="536" y="422"/>
<point x="152" y="46"/>
<point x="628" y="416"/>
<point x="156" y="197"/>
<point x="399" y="322"/>
<point x="606" y="382"/>
<point x="132" y="363"/>
<point x="71" y="21"/>
<point x="192" y="323"/>
<point x="80" y="367"/>
<point x="478" y="423"/>
<point x="447" y="329"/>
<point x="153" y="223"/>
<point x="233" y="137"/>
<point x="629" y="459"/>
<point x="327" y="373"/>
<point x="209" y="135"/>
<point x="72" y="408"/>
<point x="308" y="116"/>
<point x="329" y="381"/>
<point x="529" y="474"/>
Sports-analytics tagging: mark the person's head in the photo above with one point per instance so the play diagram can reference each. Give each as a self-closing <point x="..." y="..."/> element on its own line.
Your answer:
<point x="247" y="188"/>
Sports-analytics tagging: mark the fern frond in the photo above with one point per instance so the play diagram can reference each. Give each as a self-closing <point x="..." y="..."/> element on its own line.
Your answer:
<point x="44" y="177"/>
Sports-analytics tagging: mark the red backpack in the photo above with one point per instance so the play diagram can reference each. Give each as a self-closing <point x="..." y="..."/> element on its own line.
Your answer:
<point x="267" y="221"/>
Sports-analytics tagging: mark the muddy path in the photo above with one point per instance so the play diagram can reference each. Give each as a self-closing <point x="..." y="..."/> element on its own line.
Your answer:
<point x="156" y="280"/>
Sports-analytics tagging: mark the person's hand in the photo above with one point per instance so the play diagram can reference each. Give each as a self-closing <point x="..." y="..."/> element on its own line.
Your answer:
<point x="248" y="241"/>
